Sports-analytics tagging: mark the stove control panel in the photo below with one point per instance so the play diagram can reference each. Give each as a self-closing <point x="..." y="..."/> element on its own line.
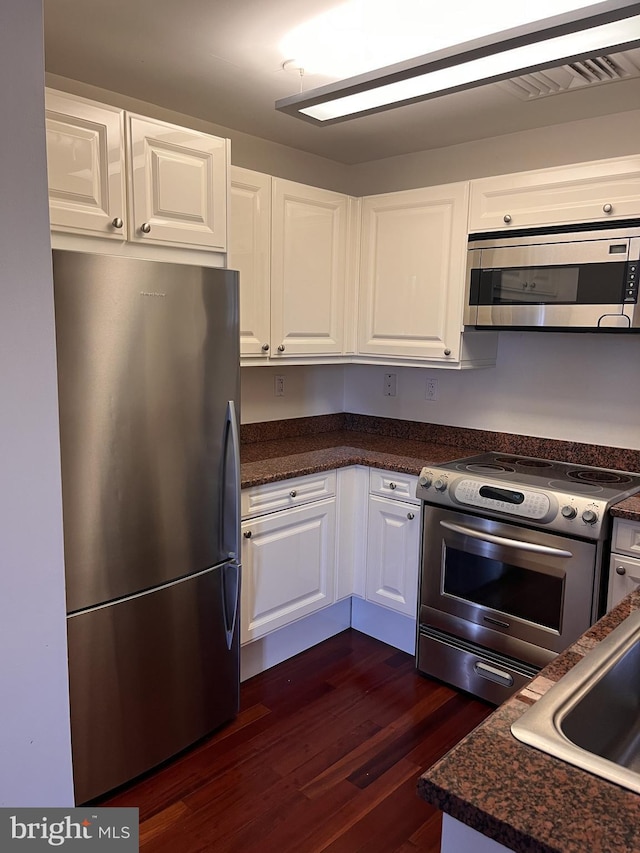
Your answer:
<point x="524" y="503"/>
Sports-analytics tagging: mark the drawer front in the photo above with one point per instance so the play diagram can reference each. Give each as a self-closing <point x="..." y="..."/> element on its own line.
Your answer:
<point x="626" y="537"/>
<point x="390" y="484"/>
<point x="284" y="494"/>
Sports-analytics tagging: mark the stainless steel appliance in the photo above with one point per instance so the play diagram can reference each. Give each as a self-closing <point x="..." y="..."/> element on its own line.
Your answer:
<point x="148" y="380"/>
<point x="511" y="572"/>
<point x="579" y="278"/>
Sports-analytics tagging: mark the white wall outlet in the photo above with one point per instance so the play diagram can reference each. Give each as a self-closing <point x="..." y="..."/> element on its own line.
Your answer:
<point x="432" y="389"/>
<point x="279" y="385"/>
<point x="390" y="385"/>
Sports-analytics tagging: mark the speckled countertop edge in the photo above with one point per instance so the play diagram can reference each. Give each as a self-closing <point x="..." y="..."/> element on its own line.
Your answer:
<point x="525" y="799"/>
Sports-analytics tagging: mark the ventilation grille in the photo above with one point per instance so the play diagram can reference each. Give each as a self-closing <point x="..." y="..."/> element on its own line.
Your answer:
<point x="593" y="71"/>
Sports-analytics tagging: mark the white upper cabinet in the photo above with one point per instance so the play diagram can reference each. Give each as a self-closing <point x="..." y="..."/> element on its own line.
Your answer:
<point x="250" y="253"/>
<point x="308" y="269"/>
<point x="178" y="185"/>
<point x="130" y="178"/>
<point x="293" y="245"/>
<point x="412" y="273"/>
<point x="85" y="158"/>
<point x="587" y="192"/>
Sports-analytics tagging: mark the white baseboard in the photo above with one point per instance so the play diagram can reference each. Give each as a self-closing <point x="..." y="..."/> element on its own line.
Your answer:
<point x="392" y="628"/>
<point x="268" y="651"/>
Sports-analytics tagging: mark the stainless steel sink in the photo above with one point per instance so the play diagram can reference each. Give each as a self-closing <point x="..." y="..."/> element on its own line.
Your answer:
<point x="591" y="717"/>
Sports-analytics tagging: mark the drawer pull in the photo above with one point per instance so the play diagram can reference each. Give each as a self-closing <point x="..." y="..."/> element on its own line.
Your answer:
<point x="292" y="493"/>
<point x="393" y="487"/>
<point x="410" y="516"/>
<point x="247" y="534"/>
<point x="620" y="570"/>
<point x="498" y="676"/>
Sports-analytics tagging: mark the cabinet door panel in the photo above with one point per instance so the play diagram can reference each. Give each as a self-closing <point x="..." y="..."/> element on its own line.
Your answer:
<point x="412" y="275"/>
<point x="178" y="185"/>
<point x="624" y="577"/>
<point x="392" y="555"/>
<point x="287" y="567"/>
<point x="308" y="269"/>
<point x="85" y="161"/>
<point x="250" y="253"/>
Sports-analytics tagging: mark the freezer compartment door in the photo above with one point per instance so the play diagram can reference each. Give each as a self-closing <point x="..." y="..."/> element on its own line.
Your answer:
<point x="151" y="674"/>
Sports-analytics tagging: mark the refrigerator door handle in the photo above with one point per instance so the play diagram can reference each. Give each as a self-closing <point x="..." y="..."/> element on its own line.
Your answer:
<point x="231" y="499"/>
<point x="230" y="598"/>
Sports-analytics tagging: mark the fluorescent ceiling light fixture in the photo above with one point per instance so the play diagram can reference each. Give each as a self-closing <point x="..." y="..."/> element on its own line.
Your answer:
<point x="361" y="35"/>
<point x="603" y="27"/>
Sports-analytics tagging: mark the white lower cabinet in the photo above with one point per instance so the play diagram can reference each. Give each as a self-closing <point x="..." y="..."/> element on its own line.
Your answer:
<point x="624" y="565"/>
<point x="288" y="560"/>
<point x="393" y="542"/>
<point x="343" y="542"/>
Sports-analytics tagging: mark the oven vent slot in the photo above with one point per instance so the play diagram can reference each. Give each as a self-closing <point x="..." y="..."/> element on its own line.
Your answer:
<point x="528" y="670"/>
<point x="592" y="71"/>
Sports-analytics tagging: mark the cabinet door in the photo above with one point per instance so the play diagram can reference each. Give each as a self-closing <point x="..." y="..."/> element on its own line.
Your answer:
<point x="85" y="160"/>
<point x="287" y="567"/>
<point x="250" y="253"/>
<point x="308" y="270"/>
<point x="588" y="192"/>
<point x="178" y="185"/>
<point x="393" y="554"/>
<point x="412" y="273"/>
<point x="624" y="577"/>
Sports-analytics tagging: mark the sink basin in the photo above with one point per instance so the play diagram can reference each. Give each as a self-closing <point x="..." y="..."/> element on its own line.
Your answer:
<point x="591" y="717"/>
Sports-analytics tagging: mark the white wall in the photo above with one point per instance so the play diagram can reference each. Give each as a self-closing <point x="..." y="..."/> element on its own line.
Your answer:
<point x="35" y="749"/>
<point x="614" y="135"/>
<point x="308" y="391"/>
<point x="573" y="387"/>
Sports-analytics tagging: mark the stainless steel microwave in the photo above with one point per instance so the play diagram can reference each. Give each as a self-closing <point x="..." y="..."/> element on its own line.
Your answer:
<point x="583" y="279"/>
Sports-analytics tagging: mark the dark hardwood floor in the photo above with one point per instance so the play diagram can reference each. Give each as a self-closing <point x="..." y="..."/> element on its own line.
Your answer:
<point x="324" y="755"/>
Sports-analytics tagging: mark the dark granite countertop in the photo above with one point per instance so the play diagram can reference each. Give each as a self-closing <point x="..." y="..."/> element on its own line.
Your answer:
<point x="278" y="459"/>
<point x="278" y="450"/>
<point x="525" y="799"/>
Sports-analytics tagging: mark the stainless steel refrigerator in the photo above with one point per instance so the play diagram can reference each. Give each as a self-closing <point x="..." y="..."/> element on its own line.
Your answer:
<point x="148" y="381"/>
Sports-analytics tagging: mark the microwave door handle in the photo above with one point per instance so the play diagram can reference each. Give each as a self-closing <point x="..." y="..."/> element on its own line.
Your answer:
<point x="502" y="540"/>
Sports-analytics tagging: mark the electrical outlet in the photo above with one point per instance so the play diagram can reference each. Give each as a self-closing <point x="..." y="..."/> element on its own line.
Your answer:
<point x="432" y="389"/>
<point x="390" y="385"/>
<point x="279" y="385"/>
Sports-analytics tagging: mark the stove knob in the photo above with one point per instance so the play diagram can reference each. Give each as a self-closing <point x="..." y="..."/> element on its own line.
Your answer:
<point x="589" y="516"/>
<point x="569" y="511"/>
<point x="440" y="484"/>
<point x="425" y="479"/>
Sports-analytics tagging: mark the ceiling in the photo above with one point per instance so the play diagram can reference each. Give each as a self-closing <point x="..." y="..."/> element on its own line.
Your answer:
<point x="218" y="60"/>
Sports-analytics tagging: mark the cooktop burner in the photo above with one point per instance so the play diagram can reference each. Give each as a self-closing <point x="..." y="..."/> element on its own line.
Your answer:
<point x="546" y="474"/>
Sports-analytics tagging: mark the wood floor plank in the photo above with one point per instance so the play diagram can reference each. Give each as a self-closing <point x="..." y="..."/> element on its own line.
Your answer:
<point x="324" y="756"/>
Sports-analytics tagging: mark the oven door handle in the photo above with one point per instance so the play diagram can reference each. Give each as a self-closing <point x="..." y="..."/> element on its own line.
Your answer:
<point x="547" y="550"/>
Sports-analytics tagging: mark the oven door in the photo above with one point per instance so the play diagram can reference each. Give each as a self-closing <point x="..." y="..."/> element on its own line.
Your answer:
<point x="505" y="586"/>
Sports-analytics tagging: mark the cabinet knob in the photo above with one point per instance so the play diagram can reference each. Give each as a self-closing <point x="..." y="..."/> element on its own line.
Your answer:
<point x="447" y="352"/>
<point x="411" y="516"/>
<point x="145" y="227"/>
<point x="607" y="208"/>
<point x="281" y="348"/>
<point x="620" y="570"/>
<point x="117" y="222"/>
<point x="247" y="534"/>
<point x="265" y="347"/>
<point x="507" y="218"/>
<point x="292" y="493"/>
<point x="393" y="487"/>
